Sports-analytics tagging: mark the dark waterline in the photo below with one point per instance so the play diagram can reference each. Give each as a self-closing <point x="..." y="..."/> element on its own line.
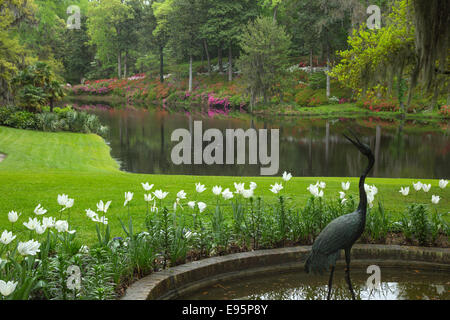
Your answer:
<point x="395" y="284"/>
<point x="140" y="141"/>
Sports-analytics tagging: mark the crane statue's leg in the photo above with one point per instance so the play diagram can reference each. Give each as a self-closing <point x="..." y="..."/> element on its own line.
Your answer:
<point x="330" y="282"/>
<point x="347" y="272"/>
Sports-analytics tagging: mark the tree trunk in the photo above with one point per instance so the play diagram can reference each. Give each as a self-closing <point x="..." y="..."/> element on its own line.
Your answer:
<point x="328" y="76"/>
<point x="230" y="66"/>
<point x="119" y="64"/>
<point x="399" y="90"/>
<point x="205" y="44"/>
<point x="311" y="60"/>
<point x="219" y="57"/>
<point x="51" y="104"/>
<point x="413" y="82"/>
<point x="275" y="11"/>
<point x="125" y="65"/>
<point x="190" y="73"/>
<point x="161" y="64"/>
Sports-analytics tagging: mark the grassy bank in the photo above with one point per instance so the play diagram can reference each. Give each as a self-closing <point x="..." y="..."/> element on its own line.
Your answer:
<point x="41" y="165"/>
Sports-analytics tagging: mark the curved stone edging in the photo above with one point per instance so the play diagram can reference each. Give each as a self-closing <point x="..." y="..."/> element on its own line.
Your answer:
<point x="173" y="282"/>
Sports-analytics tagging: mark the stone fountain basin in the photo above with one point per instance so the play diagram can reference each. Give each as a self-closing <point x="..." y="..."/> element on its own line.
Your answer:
<point x="184" y="279"/>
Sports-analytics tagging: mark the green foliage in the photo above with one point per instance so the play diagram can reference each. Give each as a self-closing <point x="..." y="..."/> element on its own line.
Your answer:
<point x="375" y="57"/>
<point x="416" y="224"/>
<point x="12" y="52"/>
<point x="37" y="86"/>
<point x="109" y="27"/>
<point x="62" y="120"/>
<point x="317" y="80"/>
<point x="265" y="48"/>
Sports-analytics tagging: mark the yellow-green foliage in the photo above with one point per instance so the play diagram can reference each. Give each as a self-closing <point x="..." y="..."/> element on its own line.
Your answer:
<point x="377" y="55"/>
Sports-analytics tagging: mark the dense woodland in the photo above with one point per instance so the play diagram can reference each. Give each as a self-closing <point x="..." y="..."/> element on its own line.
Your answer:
<point x="254" y="40"/>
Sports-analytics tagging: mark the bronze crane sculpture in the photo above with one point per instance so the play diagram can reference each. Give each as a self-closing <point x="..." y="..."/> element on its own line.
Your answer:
<point x="342" y="232"/>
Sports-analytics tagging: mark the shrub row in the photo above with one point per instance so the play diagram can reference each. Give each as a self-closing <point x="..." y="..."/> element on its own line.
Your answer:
<point x="65" y="119"/>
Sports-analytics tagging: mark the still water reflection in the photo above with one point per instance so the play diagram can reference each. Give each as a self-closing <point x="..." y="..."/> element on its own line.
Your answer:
<point x="141" y="141"/>
<point x="396" y="284"/>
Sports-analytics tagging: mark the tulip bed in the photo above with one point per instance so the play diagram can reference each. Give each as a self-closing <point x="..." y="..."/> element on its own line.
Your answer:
<point x="145" y="229"/>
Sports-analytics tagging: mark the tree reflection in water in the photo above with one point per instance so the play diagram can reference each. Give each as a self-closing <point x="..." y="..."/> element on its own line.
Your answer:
<point x="140" y="140"/>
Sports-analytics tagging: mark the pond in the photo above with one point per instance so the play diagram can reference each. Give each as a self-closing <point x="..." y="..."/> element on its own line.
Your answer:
<point x="140" y="141"/>
<point x="395" y="284"/>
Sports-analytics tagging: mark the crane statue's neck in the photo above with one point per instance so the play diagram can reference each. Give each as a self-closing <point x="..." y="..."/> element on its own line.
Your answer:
<point x="362" y="208"/>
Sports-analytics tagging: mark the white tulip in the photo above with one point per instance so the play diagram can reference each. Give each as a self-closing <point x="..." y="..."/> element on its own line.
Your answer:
<point x="48" y="222"/>
<point x="417" y="186"/>
<point x="253" y="185"/>
<point x="313" y="189"/>
<point x="239" y="187"/>
<point x="227" y="194"/>
<point x="287" y="176"/>
<point x="40" y="229"/>
<point x="191" y="204"/>
<point x="28" y="248"/>
<point x="69" y="203"/>
<point x="404" y="191"/>
<point x="217" y="190"/>
<point x="371" y="189"/>
<point x="65" y="201"/>
<point x="276" y="188"/>
<point x="39" y="210"/>
<point x="370" y="198"/>
<point x="103" y="207"/>
<point x="426" y="187"/>
<point x="199" y="187"/>
<point x="443" y="183"/>
<point x="13" y="216"/>
<point x="128" y="197"/>
<point x="181" y="195"/>
<point x="345" y="185"/>
<point x="247" y="193"/>
<point x="32" y="223"/>
<point x="62" y="199"/>
<point x="343" y="201"/>
<point x="91" y="214"/>
<point x="7" y="237"/>
<point x="201" y="206"/>
<point x="6" y="288"/>
<point x="321" y="184"/>
<point x="63" y="226"/>
<point x="341" y="194"/>
<point x="435" y="199"/>
<point x="147" y="186"/>
<point x="102" y="219"/>
<point x="160" y="194"/>
<point x="148" y="197"/>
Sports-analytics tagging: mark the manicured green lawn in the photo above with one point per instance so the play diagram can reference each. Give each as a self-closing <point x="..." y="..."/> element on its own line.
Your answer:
<point x="40" y="165"/>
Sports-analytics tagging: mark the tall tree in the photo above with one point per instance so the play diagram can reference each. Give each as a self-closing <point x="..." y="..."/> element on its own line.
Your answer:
<point x="225" y="20"/>
<point x="13" y="55"/>
<point x="265" y="51"/>
<point x="108" y="27"/>
<point x="185" y="30"/>
<point x="161" y="11"/>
